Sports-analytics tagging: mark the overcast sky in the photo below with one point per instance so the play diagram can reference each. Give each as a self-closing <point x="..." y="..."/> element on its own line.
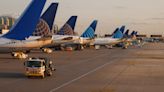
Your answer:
<point x="145" y="16"/>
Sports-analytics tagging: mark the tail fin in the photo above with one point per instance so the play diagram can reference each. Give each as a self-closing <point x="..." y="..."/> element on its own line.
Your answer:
<point x="49" y="15"/>
<point x="26" y="24"/>
<point x="45" y="24"/>
<point x="118" y="34"/>
<point x="127" y="32"/>
<point x="122" y="29"/>
<point x="126" y="35"/>
<point x="90" y="32"/>
<point x="133" y="32"/>
<point x="136" y="33"/>
<point x="115" y="31"/>
<point x="69" y="26"/>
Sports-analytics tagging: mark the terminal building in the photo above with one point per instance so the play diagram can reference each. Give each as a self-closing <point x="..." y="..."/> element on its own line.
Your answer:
<point x="6" y="23"/>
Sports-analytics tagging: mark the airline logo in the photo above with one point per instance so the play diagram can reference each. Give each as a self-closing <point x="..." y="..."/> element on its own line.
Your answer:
<point x="42" y="29"/>
<point x="89" y="33"/>
<point x="66" y="30"/>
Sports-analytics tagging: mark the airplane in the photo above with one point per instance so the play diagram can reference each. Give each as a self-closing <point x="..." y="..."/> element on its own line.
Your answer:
<point x="66" y="33"/>
<point x="126" y="35"/>
<point x="69" y="27"/>
<point x="89" y="34"/>
<point x="15" y="39"/>
<point x="122" y="29"/>
<point x="109" y="41"/>
<point x="45" y="24"/>
<point x="128" y="39"/>
<point x="85" y="39"/>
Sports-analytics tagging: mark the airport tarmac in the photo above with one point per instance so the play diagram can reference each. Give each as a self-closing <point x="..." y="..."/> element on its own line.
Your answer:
<point x="106" y="70"/>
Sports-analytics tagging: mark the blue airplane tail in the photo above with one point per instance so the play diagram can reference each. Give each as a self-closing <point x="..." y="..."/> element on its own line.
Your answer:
<point x="136" y="33"/>
<point x="26" y="24"/>
<point x="49" y="15"/>
<point x="45" y="24"/>
<point x="118" y="34"/>
<point x="90" y="32"/>
<point x="69" y="26"/>
<point x="133" y="32"/>
<point x="122" y="29"/>
<point x="115" y="31"/>
<point x="126" y="35"/>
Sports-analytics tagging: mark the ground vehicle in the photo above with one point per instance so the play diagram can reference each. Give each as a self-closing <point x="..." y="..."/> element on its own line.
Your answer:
<point x="39" y="67"/>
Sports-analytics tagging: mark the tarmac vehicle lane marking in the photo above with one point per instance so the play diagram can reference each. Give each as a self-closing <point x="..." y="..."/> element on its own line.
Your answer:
<point x="82" y="76"/>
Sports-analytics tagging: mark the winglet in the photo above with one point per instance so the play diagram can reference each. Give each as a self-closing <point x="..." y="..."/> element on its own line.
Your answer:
<point x="26" y="24"/>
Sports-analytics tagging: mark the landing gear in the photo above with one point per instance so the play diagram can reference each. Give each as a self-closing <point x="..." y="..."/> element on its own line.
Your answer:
<point x="109" y="46"/>
<point x="19" y="55"/>
<point x="125" y="46"/>
<point x="97" y="47"/>
<point x="47" y="50"/>
<point x="79" y="47"/>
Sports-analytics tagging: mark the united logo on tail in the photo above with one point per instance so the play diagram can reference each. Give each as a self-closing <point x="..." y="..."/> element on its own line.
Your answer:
<point x="45" y="24"/>
<point x="69" y="26"/>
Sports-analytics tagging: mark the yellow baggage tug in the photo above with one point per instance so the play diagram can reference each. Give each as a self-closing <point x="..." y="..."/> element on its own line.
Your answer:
<point x="38" y="67"/>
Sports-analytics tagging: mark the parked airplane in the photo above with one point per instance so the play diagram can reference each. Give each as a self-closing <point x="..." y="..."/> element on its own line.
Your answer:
<point x="66" y="34"/>
<point x="69" y="27"/>
<point x="45" y="24"/>
<point x="14" y="40"/>
<point x="89" y="34"/>
<point x="126" y="35"/>
<point x="86" y="38"/>
<point x="129" y="39"/>
<point x="122" y="29"/>
<point x="108" y="41"/>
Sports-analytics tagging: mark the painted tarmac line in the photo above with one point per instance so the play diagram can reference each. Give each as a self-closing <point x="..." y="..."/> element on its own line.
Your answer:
<point x="82" y="76"/>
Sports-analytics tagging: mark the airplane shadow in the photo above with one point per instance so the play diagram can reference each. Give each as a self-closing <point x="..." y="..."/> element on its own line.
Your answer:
<point x="11" y="75"/>
<point x="7" y="58"/>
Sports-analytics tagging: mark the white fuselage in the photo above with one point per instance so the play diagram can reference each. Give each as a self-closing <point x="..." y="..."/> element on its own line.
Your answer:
<point x="105" y="41"/>
<point x="84" y="41"/>
<point x="8" y="45"/>
<point x="64" y="39"/>
<point x="70" y="39"/>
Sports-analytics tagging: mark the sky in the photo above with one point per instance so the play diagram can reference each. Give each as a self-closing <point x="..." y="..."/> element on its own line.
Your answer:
<point x="144" y="16"/>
